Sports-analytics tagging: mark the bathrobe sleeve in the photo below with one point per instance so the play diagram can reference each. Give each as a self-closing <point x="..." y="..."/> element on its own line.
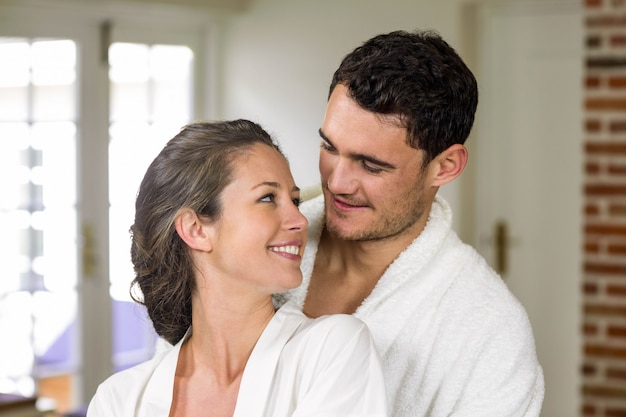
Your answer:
<point x="144" y="390"/>
<point x="334" y="371"/>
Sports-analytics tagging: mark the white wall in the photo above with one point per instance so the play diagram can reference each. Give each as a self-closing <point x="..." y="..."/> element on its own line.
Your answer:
<point x="277" y="61"/>
<point x="279" y="57"/>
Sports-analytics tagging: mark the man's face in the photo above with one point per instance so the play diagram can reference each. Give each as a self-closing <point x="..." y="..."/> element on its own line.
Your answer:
<point x="373" y="182"/>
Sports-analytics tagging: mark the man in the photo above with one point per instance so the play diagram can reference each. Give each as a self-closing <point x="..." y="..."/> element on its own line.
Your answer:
<point x="454" y="341"/>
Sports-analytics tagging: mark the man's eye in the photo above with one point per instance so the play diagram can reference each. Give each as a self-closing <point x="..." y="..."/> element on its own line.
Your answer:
<point x="369" y="168"/>
<point x="327" y="146"/>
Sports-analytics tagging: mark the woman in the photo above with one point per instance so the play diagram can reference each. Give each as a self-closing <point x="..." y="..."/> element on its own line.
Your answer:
<point x="217" y="231"/>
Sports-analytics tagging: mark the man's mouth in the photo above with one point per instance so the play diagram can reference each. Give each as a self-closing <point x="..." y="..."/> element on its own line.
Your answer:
<point x="347" y="204"/>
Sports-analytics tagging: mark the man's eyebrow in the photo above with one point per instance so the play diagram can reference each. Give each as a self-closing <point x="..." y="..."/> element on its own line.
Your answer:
<point x="360" y="156"/>
<point x="323" y="136"/>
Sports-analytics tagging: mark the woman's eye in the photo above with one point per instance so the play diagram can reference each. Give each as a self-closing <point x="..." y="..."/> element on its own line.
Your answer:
<point x="297" y="201"/>
<point x="268" y="198"/>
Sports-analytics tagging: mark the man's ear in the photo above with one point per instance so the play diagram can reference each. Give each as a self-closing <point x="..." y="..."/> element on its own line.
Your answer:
<point x="192" y="231"/>
<point x="450" y="164"/>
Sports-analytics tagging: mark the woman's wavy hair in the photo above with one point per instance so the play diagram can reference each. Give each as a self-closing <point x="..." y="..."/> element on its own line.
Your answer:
<point x="191" y="171"/>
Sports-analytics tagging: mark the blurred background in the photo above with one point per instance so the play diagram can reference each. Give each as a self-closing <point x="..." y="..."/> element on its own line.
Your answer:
<point x="90" y="90"/>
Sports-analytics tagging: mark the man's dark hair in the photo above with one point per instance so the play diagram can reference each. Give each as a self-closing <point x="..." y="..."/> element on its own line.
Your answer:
<point x="418" y="77"/>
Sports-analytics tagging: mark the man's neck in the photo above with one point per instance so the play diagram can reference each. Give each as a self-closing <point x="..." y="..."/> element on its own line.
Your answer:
<point x="346" y="272"/>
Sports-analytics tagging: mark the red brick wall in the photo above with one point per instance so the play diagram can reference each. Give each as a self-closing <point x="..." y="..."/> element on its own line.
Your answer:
<point x="604" y="287"/>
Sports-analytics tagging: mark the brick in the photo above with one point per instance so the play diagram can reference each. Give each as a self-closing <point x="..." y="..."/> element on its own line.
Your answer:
<point x="605" y="268"/>
<point x="618" y="40"/>
<point x="590" y="288"/>
<point x="606" y="103"/>
<point x="588" y="369"/>
<point x="588" y="410"/>
<point x="592" y="81"/>
<point x="615" y="290"/>
<point x="617" y="82"/>
<point x="616" y="249"/>
<point x="605" y="148"/>
<point x="605" y="190"/>
<point x="615" y="412"/>
<point x="592" y="168"/>
<point x="604" y="391"/>
<point x="617" y="126"/>
<point x="593" y="126"/>
<point x="593" y="42"/>
<point x="616" y="331"/>
<point x="615" y="169"/>
<point x="605" y="310"/>
<point x="605" y="21"/>
<point x="593" y="3"/>
<point x="592" y="248"/>
<point x="591" y="209"/>
<point x="616" y="373"/>
<point x="590" y="329"/>
<point x="603" y="229"/>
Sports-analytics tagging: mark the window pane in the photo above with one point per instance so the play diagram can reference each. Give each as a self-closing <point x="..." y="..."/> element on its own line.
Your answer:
<point x="171" y="71"/>
<point x="37" y="210"/>
<point x="148" y="83"/>
<point x="54" y="74"/>
<point x="15" y="69"/>
<point x="13" y="103"/>
<point x="53" y="102"/>
<point x="14" y="79"/>
<point x="54" y="62"/>
<point x="130" y="75"/>
<point x="17" y="357"/>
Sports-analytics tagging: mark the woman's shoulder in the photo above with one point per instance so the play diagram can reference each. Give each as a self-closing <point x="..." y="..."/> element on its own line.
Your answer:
<point x="330" y="322"/>
<point x="332" y="332"/>
<point x="123" y="389"/>
<point x="127" y="381"/>
<point x="341" y="325"/>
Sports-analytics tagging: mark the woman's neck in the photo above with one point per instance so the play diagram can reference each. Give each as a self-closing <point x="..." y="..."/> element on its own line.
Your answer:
<point x="225" y="333"/>
<point x="212" y="360"/>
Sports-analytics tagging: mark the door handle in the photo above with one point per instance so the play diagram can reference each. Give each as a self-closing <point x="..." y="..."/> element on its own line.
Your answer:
<point x="501" y="235"/>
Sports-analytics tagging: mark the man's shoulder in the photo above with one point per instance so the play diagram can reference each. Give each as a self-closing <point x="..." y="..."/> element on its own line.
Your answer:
<point x="312" y="205"/>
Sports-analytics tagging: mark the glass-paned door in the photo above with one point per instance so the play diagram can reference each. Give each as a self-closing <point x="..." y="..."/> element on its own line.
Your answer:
<point x="38" y="283"/>
<point x="77" y="131"/>
<point x="150" y="100"/>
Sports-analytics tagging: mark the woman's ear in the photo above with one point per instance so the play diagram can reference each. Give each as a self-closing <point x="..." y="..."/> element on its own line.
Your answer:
<point x="192" y="231"/>
<point x="450" y="164"/>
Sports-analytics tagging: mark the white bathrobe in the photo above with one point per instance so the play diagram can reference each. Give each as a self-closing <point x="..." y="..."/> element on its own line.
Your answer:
<point x="453" y="339"/>
<point x="299" y="367"/>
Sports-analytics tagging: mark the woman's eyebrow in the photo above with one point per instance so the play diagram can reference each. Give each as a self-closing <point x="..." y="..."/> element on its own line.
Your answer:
<point x="274" y="184"/>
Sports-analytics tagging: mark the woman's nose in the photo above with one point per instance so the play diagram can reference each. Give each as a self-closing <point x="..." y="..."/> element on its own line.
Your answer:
<point x="296" y="220"/>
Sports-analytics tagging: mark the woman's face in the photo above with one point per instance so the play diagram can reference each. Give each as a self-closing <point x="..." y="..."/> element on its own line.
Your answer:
<point x="260" y="235"/>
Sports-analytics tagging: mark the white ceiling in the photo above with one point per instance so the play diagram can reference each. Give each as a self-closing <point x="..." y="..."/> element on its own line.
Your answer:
<point x="230" y="5"/>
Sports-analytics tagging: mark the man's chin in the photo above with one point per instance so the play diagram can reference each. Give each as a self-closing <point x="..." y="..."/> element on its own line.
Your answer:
<point x="341" y="232"/>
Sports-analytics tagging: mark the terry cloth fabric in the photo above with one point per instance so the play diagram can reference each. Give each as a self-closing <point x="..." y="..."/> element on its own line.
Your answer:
<point x="298" y="367"/>
<point x="453" y="339"/>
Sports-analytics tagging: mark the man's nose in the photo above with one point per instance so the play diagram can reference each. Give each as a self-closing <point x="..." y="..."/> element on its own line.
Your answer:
<point x="341" y="179"/>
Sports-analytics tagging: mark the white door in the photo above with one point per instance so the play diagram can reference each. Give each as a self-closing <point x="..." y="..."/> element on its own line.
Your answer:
<point x="79" y="123"/>
<point x="528" y="156"/>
